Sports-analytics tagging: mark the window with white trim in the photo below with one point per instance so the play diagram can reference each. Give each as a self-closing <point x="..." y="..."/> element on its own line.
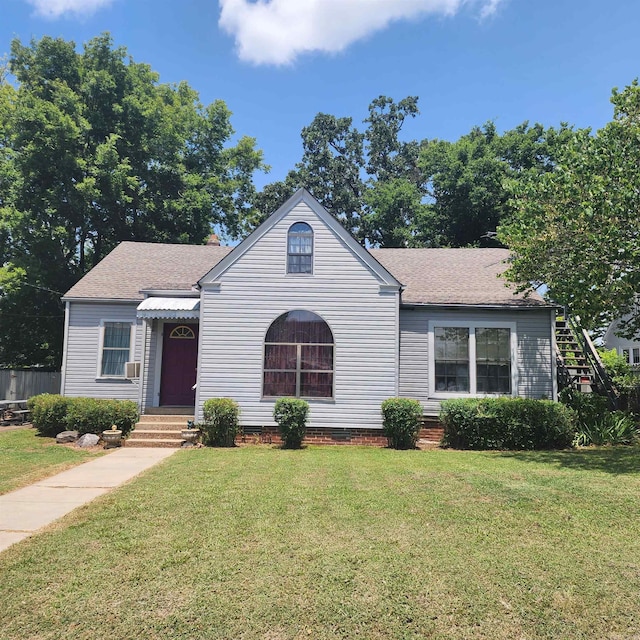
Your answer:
<point x="452" y="358"/>
<point x="115" y="349"/>
<point x="300" y="248"/>
<point x="493" y="360"/>
<point x="631" y="355"/>
<point x="472" y="358"/>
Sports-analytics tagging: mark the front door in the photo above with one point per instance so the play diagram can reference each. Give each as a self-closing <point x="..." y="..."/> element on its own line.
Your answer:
<point x="179" y="364"/>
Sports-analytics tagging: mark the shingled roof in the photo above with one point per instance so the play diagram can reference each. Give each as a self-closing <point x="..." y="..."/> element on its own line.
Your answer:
<point x="429" y="276"/>
<point x="135" y="266"/>
<point x="454" y="276"/>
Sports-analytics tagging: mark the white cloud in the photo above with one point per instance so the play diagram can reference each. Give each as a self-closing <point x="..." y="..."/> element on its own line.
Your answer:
<point x="277" y="31"/>
<point x="56" y="8"/>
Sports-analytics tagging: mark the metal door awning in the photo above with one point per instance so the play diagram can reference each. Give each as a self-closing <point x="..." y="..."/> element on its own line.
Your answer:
<point x="169" y="308"/>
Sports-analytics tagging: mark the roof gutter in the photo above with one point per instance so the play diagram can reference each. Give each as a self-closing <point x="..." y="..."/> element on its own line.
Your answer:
<point x="109" y="300"/>
<point x="469" y="305"/>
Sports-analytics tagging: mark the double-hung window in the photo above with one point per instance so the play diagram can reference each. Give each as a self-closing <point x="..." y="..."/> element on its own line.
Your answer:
<point x="632" y="356"/>
<point x="472" y="358"/>
<point x="452" y="359"/>
<point x="493" y="360"/>
<point x="300" y="248"/>
<point x="115" y="349"/>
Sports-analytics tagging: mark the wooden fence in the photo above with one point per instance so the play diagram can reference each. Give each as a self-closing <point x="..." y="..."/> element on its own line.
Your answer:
<point x="20" y="385"/>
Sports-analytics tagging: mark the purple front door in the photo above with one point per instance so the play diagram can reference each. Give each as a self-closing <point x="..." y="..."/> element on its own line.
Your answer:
<point x="179" y="363"/>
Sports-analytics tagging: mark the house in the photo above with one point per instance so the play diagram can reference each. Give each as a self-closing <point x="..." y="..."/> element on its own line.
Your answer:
<point x="628" y="348"/>
<point x="299" y="308"/>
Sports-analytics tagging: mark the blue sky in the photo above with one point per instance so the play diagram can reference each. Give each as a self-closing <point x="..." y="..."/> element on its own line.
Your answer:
<point x="278" y="63"/>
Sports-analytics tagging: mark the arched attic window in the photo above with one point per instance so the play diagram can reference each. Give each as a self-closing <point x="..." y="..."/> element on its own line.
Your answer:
<point x="300" y="248"/>
<point x="298" y="357"/>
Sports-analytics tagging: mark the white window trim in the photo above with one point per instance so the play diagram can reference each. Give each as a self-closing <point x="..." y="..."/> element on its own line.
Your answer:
<point x="629" y="355"/>
<point x="132" y="337"/>
<point x="472" y="326"/>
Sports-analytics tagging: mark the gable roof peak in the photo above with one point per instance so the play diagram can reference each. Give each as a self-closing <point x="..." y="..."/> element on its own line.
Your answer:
<point x="303" y="195"/>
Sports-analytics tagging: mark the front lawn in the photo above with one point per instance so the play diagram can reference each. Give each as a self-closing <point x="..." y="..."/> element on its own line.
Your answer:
<point x="342" y="542"/>
<point x="26" y="457"/>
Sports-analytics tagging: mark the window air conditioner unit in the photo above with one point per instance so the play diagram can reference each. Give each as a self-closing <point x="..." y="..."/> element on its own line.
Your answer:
<point x="131" y="369"/>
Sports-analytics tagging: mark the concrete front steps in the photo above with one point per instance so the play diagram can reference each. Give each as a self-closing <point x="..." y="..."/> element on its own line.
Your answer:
<point x="160" y="427"/>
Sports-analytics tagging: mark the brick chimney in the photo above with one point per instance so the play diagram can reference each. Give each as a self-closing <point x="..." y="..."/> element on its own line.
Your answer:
<point x="213" y="241"/>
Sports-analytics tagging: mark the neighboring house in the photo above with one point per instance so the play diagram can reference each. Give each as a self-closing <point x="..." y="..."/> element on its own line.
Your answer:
<point x="299" y="308"/>
<point x="628" y="348"/>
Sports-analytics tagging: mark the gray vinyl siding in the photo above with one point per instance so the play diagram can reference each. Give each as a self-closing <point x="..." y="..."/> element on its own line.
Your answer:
<point x="255" y="290"/>
<point x="82" y="350"/>
<point x="534" y="350"/>
<point x="620" y="343"/>
<point x="149" y="382"/>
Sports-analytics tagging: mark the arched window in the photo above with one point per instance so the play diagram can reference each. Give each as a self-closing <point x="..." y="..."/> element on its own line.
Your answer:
<point x="182" y="332"/>
<point x="300" y="248"/>
<point x="298" y="356"/>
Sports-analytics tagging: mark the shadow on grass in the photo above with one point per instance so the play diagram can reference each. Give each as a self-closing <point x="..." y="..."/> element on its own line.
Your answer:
<point x="614" y="460"/>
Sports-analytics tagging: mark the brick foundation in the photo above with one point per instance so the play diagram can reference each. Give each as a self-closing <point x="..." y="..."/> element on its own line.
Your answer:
<point x="431" y="431"/>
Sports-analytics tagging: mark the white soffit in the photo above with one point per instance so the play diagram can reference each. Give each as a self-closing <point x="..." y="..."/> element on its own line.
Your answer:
<point x="169" y="308"/>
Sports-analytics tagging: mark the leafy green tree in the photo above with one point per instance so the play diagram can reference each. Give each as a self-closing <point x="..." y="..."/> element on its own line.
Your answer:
<point x="576" y="227"/>
<point x="345" y="169"/>
<point x="391" y="192"/>
<point x="93" y="151"/>
<point x="466" y="180"/>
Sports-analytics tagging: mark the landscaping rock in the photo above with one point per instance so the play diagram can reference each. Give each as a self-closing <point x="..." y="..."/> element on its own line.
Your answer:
<point x="87" y="440"/>
<point x="66" y="436"/>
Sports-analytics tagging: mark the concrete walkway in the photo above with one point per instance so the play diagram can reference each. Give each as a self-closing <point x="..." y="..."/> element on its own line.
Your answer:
<point x="24" y="511"/>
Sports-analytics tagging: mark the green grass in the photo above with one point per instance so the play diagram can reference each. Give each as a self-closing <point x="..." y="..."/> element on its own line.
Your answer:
<point x="342" y="542"/>
<point x="26" y="457"/>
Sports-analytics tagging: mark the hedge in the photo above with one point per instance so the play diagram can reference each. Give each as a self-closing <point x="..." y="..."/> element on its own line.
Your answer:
<point x="51" y="414"/>
<point x="506" y="423"/>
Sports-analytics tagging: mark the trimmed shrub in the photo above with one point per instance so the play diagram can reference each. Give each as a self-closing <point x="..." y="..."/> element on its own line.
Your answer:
<point x="402" y="419"/>
<point x="49" y="413"/>
<point x="124" y="414"/>
<point x="221" y="425"/>
<point x="506" y="423"/>
<point x="291" y="416"/>
<point x="92" y="415"/>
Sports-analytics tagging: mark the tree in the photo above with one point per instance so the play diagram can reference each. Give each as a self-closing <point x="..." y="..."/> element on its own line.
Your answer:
<point x="350" y="171"/>
<point x="576" y="227"/>
<point x="466" y="179"/>
<point x="390" y="192"/>
<point x="93" y="151"/>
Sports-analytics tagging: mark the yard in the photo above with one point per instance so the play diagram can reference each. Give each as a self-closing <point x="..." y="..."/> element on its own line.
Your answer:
<point x="27" y="457"/>
<point x="342" y="542"/>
